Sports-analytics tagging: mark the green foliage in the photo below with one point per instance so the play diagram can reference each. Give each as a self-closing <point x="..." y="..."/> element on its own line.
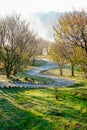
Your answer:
<point x="38" y="63"/>
<point x="56" y="54"/>
<point x="36" y="109"/>
<point x="70" y="34"/>
<point x="17" y="44"/>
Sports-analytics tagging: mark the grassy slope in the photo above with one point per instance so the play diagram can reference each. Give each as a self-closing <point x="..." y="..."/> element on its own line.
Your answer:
<point x="21" y="75"/>
<point x="39" y="62"/>
<point x="37" y="109"/>
<point x="35" y="79"/>
<point x="66" y="72"/>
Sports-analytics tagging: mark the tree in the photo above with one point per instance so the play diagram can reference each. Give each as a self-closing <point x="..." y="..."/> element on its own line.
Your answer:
<point x="43" y="46"/>
<point x="70" y="54"/>
<point x="17" y="43"/>
<point x="67" y="51"/>
<point x="56" y="55"/>
<point x="82" y="61"/>
<point x="72" y="29"/>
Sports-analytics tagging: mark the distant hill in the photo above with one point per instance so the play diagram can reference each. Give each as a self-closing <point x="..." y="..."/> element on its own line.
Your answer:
<point x="42" y="23"/>
<point x="48" y="18"/>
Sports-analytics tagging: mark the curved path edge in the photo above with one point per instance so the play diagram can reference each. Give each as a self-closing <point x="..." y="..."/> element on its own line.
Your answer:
<point x="58" y="81"/>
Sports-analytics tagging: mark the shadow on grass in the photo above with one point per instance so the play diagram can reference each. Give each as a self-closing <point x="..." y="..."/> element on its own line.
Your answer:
<point x="14" y="118"/>
<point x="77" y="85"/>
<point x="69" y="109"/>
<point x="64" y="110"/>
<point x="14" y="90"/>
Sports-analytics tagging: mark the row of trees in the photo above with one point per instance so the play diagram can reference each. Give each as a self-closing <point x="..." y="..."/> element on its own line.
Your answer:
<point x="71" y="41"/>
<point x="18" y="44"/>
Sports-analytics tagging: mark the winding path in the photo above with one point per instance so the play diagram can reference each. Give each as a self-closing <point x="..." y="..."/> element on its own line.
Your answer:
<point x="58" y="81"/>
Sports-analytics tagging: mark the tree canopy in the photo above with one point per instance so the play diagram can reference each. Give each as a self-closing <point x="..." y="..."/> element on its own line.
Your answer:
<point x="18" y="44"/>
<point x="71" y="34"/>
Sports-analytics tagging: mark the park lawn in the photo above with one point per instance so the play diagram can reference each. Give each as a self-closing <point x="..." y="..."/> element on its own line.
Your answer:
<point x="38" y="62"/>
<point x="66" y="72"/>
<point x="38" y="109"/>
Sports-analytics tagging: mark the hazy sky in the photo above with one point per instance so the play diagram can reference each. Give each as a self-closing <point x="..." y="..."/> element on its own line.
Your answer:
<point x="30" y="6"/>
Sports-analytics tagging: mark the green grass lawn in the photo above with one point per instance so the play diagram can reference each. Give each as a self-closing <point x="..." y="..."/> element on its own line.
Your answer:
<point x="39" y="62"/>
<point x="38" y="109"/>
<point x="66" y="72"/>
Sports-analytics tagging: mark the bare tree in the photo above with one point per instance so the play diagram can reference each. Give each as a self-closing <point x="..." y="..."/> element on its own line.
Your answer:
<point x="17" y="43"/>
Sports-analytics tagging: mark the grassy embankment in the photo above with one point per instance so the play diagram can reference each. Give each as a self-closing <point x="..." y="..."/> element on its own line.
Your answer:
<point x="23" y="77"/>
<point x="38" y="109"/>
<point x="66" y="72"/>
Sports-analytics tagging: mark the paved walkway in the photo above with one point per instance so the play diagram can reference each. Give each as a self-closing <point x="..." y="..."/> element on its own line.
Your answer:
<point x="60" y="82"/>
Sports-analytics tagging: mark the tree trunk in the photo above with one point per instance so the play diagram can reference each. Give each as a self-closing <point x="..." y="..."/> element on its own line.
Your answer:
<point x="7" y="72"/>
<point x="33" y="62"/>
<point x="72" y="69"/>
<point x="61" y="70"/>
<point x="8" y="69"/>
<point x="15" y="72"/>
